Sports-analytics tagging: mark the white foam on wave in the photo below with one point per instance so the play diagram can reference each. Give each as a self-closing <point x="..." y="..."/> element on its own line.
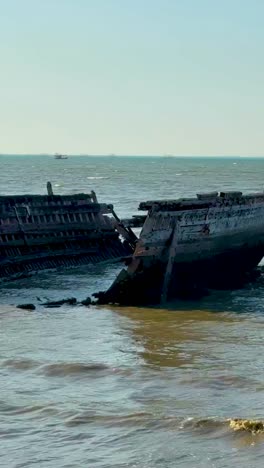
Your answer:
<point x="97" y="177"/>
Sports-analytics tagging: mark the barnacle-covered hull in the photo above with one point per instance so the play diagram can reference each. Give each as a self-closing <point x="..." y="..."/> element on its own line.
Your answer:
<point x="188" y="246"/>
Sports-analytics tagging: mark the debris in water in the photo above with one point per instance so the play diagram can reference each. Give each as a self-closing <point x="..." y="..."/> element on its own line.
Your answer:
<point x="69" y="301"/>
<point x="249" y="425"/>
<point x="87" y="302"/>
<point x="26" y="306"/>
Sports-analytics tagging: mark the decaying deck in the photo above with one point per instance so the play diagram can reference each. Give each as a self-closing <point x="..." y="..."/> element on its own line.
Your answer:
<point x="48" y="231"/>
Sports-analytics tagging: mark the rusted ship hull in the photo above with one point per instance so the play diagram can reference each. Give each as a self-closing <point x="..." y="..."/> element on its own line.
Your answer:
<point x="188" y="246"/>
<point x="40" y="232"/>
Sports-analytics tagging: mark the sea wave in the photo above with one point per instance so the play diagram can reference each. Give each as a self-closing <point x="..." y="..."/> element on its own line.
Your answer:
<point x="202" y="425"/>
<point x="20" y="364"/>
<point x="96" y="177"/>
<point x="54" y="369"/>
<point x="250" y="426"/>
<point x="71" y="368"/>
<point x="87" y="417"/>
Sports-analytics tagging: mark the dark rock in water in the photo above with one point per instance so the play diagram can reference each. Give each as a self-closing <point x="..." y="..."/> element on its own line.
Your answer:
<point x="87" y="302"/>
<point x="26" y="306"/>
<point x="52" y="306"/>
<point x="98" y="294"/>
<point x="69" y="301"/>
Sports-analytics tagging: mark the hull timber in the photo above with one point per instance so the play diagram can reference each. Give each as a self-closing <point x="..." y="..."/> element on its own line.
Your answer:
<point x="40" y="232"/>
<point x="189" y="245"/>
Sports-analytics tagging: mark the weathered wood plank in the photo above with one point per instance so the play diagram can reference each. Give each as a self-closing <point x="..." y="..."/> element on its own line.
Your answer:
<point x="169" y="267"/>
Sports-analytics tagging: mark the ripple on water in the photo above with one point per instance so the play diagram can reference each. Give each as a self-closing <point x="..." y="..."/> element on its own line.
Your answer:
<point x="87" y="417"/>
<point x="221" y="381"/>
<point x="20" y="364"/>
<point x="59" y="369"/>
<point x="209" y="428"/>
<point x="63" y="369"/>
<point x="12" y="410"/>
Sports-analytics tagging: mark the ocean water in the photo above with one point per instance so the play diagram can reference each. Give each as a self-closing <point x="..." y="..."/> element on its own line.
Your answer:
<point x="113" y="387"/>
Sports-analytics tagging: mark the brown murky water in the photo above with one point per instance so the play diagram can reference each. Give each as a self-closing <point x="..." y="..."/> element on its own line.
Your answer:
<point x="111" y="387"/>
<point x="129" y="388"/>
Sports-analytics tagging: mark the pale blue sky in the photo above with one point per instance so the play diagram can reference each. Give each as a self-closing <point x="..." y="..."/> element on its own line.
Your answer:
<point x="132" y="76"/>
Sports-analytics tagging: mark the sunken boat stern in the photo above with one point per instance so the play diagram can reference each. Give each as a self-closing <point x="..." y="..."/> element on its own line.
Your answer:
<point x="147" y="277"/>
<point x="188" y="246"/>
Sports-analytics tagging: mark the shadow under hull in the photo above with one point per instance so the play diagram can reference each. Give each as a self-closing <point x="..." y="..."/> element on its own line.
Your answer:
<point x="192" y="280"/>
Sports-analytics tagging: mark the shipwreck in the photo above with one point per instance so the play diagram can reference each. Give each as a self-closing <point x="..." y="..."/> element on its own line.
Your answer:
<point x="39" y="232"/>
<point x="188" y="246"/>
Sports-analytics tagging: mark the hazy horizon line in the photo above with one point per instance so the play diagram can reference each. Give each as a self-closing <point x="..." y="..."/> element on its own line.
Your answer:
<point x="113" y="155"/>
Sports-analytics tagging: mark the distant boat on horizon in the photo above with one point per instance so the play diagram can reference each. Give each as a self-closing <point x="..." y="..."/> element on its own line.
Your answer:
<point x="60" y="156"/>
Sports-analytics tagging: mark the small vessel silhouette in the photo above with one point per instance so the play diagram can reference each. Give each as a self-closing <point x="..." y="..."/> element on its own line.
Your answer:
<point x="60" y="156"/>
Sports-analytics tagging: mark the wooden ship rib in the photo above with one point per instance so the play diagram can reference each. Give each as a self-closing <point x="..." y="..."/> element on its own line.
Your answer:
<point x="188" y="245"/>
<point x="40" y="232"/>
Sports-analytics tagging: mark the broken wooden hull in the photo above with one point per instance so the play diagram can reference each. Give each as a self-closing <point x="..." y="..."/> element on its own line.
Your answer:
<point x="39" y="232"/>
<point x="188" y="246"/>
